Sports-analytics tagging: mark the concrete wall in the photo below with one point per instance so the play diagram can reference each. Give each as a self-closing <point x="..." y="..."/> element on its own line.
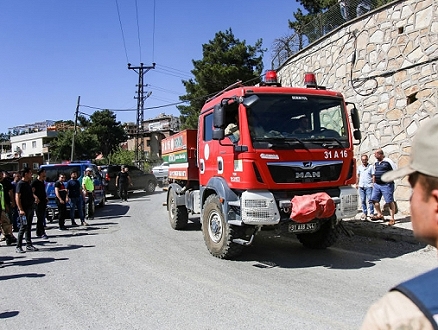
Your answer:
<point x="394" y="80"/>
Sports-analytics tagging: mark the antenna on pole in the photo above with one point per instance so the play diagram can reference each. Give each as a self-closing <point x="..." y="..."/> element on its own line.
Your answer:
<point x="139" y="136"/>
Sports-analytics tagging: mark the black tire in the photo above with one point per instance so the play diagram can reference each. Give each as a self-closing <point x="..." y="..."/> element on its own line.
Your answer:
<point x="178" y="215"/>
<point x="219" y="234"/>
<point x="150" y="187"/>
<point x="326" y="236"/>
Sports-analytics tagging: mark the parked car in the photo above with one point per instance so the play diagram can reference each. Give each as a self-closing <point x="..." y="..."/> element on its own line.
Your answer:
<point x="140" y="180"/>
<point x="52" y="174"/>
<point x="161" y="172"/>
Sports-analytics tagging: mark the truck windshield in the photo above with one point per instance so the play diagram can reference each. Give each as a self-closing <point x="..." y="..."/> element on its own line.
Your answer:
<point x="299" y="121"/>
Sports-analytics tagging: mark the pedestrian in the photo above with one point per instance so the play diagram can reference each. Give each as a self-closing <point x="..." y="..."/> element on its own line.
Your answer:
<point x="61" y="200"/>
<point x="8" y="204"/>
<point x="386" y="189"/>
<point x="5" y="222"/>
<point x="100" y="171"/>
<point x="413" y="304"/>
<point x="365" y="173"/>
<point x="15" y="224"/>
<point x="88" y="189"/>
<point x="40" y="196"/>
<point x="123" y="181"/>
<point x="75" y="195"/>
<point x="25" y="200"/>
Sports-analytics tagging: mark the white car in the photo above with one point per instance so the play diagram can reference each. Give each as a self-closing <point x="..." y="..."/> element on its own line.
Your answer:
<point x="161" y="172"/>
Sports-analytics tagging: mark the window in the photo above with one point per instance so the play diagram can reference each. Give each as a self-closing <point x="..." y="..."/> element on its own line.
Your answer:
<point x="24" y="165"/>
<point x="208" y="127"/>
<point x="23" y="146"/>
<point x="34" y="144"/>
<point x="35" y="166"/>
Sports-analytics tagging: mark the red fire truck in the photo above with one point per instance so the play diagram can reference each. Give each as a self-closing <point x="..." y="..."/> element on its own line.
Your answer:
<point x="262" y="156"/>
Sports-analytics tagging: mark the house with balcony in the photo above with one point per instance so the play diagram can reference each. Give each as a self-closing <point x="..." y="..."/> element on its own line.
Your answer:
<point x="29" y="146"/>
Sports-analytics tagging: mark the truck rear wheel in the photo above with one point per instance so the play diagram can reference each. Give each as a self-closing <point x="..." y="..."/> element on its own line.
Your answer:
<point x="326" y="236"/>
<point x="178" y="215"/>
<point x="218" y="234"/>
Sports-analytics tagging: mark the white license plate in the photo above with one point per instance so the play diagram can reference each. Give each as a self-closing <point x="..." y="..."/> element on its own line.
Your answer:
<point x="302" y="227"/>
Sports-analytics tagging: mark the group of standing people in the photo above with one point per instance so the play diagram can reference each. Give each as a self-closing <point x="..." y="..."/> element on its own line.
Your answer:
<point x="71" y="192"/>
<point x="27" y="196"/>
<point x="372" y="188"/>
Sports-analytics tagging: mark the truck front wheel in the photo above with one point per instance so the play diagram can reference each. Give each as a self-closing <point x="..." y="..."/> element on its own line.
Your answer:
<point x="218" y="234"/>
<point x="178" y="215"/>
<point x="326" y="236"/>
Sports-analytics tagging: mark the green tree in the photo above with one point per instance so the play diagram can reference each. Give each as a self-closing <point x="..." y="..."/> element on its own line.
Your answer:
<point x="316" y="6"/>
<point x="226" y="60"/>
<point x="86" y="146"/>
<point x="121" y="156"/>
<point x="108" y="131"/>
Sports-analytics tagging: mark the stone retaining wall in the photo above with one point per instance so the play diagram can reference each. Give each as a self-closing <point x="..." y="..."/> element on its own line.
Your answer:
<point x="393" y="79"/>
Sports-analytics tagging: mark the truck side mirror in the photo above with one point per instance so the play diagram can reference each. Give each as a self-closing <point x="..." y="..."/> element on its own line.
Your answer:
<point x="218" y="133"/>
<point x="357" y="135"/>
<point x="218" y="117"/>
<point x="355" y="117"/>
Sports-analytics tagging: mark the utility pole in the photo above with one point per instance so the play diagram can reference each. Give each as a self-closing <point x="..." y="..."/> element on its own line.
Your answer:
<point x="74" y="132"/>
<point x="139" y="136"/>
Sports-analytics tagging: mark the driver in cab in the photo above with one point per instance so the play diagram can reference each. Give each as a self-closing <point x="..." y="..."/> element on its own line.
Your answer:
<point x="303" y="126"/>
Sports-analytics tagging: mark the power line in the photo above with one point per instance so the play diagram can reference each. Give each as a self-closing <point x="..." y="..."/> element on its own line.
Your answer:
<point x="138" y="28"/>
<point x="173" y="71"/>
<point x="123" y="34"/>
<point x="153" y="36"/>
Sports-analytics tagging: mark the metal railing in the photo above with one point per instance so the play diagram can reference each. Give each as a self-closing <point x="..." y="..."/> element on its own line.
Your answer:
<point x="323" y="23"/>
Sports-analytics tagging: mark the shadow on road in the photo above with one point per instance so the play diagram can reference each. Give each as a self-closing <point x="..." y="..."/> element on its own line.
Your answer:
<point x="269" y="250"/>
<point x="33" y="261"/>
<point x="9" y="314"/>
<point x="15" y="276"/>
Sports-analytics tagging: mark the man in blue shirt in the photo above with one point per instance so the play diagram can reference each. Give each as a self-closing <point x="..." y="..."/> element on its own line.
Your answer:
<point x="365" y="174"/>
<point x="380" y="188"/>
<point x="75" y="195"/>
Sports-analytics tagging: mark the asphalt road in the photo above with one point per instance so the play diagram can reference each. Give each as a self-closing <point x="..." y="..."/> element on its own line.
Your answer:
<point x="130" y="270"/>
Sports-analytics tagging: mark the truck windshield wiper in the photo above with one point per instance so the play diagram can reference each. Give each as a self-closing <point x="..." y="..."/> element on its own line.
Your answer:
<point x="281" y="142"/>
<point x="328" y="142"/>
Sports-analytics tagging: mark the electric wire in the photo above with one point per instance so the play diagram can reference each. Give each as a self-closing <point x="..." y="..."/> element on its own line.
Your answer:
<point x="138" y="28"/>
<point x="357" y="83"/>
<point x="121" y="28"/>
<point x="153" y="37"/>
<point x="205" y="97"/>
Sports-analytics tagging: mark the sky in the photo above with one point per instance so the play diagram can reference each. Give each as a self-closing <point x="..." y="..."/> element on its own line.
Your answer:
<point x="53" y="51"/>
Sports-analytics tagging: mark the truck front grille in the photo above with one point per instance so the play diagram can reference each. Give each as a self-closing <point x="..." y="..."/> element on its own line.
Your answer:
<point x="301" y="172"/>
